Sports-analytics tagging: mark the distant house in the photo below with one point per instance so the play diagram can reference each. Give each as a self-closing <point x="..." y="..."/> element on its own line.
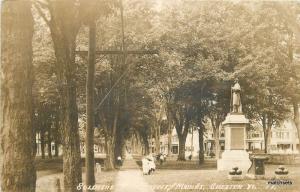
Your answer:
<point x="39" y="146"/>
<point x="283" y="140"/>
<point x="99" y="148"/>
<point x="255" y="138"/>
<point x="191" y="145"/>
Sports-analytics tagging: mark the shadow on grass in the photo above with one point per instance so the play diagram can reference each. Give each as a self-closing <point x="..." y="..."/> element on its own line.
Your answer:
<point x="54" y="164"/>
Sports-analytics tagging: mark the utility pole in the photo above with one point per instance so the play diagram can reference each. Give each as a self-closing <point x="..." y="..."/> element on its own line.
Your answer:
<point x="90" y="84"/>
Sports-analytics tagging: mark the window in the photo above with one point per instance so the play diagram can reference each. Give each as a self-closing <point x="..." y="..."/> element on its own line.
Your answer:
<point x="222" y="146"/>
<point x="175" y="149"/>
<point x="175" y="139"/>
<point x="222" y="134"/>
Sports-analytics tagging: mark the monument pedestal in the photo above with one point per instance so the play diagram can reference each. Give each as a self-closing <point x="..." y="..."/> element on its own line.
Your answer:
<point x="235" y="154"/>
<point x="234" y="158"/>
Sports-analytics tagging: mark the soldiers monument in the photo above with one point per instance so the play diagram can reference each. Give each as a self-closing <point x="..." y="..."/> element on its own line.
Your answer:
<point x="235" y="154"/>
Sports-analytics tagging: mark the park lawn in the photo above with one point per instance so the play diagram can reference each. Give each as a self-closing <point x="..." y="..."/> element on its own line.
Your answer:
<point x="187" y="165"/>
<point x="104" y="181"/>
<point x="173" y="164"/>
<point x="50" y="170"/>
<point x="48" y="166"/>
<point x="168" y="178"/>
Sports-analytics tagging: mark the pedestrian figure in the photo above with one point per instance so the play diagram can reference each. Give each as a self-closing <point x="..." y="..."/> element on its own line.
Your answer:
<point x="151" y="163"/>
<point x="98" y="168"/>
<point x="165" y="157"/>
<point x="157" y="157"/>
<point x="146" y="166"/>
<point x="119" y="161"/>
<point x="161" y="159"/>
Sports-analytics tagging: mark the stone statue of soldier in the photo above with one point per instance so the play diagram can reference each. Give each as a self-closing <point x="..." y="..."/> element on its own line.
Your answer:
<point x="236" y="98"/>
<point x="235" y="125"/>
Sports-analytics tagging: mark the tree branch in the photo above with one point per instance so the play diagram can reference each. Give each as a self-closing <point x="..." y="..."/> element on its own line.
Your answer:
<point x="37" y="5"/>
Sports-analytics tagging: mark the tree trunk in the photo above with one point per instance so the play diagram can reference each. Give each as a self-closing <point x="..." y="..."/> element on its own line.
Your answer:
<point x="43" y="143"/>
<point x="68" y="116"/>
<point x="35" y="147"/>
<point x="17" y="133"/>
<point x="140" y="147"/>
<point x="157" y="138"/>
<point x="146" y="144"/>
<point x="57" y="136"/>
<point x="119" y="143"/>
<point x="109" y="150"/>
<point x="266" y="142"/>
<point x="268" y="131"/>
<point x="90" y="84"/>
<point x="71" y="148"/>
<point x="217" y="142"/>
<point x="66" y="72"/>
<point x="181" y="155"/>
<point x="56" y="149"/>
<point x="201" y="149"/>
<point x="264" y="124"/>
<point x="169" y="139"/>
<point x="49" y="144"/>
<point x="64" y="25"/>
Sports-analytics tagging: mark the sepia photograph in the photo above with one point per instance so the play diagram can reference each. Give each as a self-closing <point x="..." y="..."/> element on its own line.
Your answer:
<point x="150" y="96"/>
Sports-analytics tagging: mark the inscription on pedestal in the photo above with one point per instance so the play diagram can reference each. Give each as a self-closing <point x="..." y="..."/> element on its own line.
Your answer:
<point x="237" y="138"/>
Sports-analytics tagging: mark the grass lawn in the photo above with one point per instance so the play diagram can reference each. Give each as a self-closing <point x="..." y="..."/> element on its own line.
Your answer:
<point x="48" y="166"/>
<point x="173" y="164"/>
<point x="104" y="180"/>
<point x="49" y="170"/>
<point x="163" y="180"/>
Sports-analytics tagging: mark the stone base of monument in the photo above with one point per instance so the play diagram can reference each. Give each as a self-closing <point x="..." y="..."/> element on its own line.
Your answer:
<point x="234" y="158"/>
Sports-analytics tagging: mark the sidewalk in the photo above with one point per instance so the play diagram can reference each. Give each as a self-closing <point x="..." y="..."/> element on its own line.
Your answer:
<point x="130" y="178"/>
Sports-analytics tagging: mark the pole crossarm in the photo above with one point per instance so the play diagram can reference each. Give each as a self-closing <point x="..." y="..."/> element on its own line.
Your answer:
<point x="120" y="52"/>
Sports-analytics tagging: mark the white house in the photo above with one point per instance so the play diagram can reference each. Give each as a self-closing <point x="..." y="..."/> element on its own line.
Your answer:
<point x="284" y="139"/>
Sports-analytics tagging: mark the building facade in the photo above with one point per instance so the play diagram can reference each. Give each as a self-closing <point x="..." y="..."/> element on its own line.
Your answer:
<point x="283" y="140"/>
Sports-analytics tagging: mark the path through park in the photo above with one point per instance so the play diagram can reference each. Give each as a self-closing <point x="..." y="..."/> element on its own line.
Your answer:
<point x="130" y="178"/>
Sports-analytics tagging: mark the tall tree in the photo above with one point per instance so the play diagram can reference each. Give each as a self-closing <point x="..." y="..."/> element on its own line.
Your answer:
<point x="64" y="23"/>
<point x="17" y="134"/>
<point x="181" y="112"/>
